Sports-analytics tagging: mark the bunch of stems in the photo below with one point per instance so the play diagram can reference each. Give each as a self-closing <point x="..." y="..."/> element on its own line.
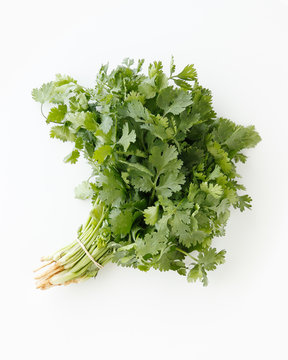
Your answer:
<point x="83" y="258"/>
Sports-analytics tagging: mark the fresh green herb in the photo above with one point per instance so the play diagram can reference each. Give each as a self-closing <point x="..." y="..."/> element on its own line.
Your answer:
<point x="163" y="175"/>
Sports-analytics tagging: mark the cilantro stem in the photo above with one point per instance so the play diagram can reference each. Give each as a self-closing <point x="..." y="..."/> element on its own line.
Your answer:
<point x="42" y="112"/>
<point x="154" y="186"/>
<point x="116" y="125"/>
<point x="185" y="253"/>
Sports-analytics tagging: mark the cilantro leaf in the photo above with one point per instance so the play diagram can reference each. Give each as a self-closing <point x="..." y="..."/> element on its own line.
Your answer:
<point x="162" y="157"/>
<point x="137" y="167"/>
<point x="141" y="181"/>
<point x="173" y="100"/>
<point x="151" y="244"/>
<point x="127" y="138"/>
<point x="43" y="94"/>
<point x="83" y="191"/>
<point x="180" y="227"/>
<point x="221" y="156"/>
<point x="243" y="202"/>
<point x="106" y="123"/>
<point x="111" y="188"/>
<point x="172" y="66"/>
<point x="57" y="114"/>
<point x="121" y="221"/>
<point x="136" y="111"/>
<point x="151" y="215"/>
<point x="169" y="183"/>
<point x="193" y="190"/>
<point x="62" y="133"/>
<point x="188" y="73"/>
<point x="243" y="137"/>
<point x="195" y="274"/>
<point x="215" y="190"/>
<point x="236" y="137"/>
<point x="148" y="89"/>
<point x="101" y="153"/>
<point x="209" y="258"/>
<point x="182" y="84"/>
<point x="72" y="157"/>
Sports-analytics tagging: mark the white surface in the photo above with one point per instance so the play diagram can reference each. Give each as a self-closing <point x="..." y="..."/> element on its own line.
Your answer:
<point x="240" y="51"/>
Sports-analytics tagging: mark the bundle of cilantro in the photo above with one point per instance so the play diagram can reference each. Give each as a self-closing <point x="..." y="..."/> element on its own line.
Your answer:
<point x="163" y="171"/>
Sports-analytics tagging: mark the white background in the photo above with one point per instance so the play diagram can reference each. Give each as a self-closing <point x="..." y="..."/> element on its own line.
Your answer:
<point x="240" y="51"/>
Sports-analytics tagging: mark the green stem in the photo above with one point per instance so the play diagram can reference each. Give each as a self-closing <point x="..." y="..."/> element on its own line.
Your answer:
<point x="87" y="237"/>
<point x="185" y="253"/>
<point x="72" y="263"/>
<point x="154" y="187"/>
<point x="116" y="125"/>
<point x="42" y="112"/>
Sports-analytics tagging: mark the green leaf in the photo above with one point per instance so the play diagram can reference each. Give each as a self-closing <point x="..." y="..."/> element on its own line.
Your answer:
<point x="128" y="62"/>
<point x="106" y="123"/>
<point x="187" y="120"/>
<point x="188" y="73"/>
<point x="173" y="101"/>
<point x="171" y="260"/>
<point x="182" y="84"/>
<point x="121" y="221"/>
<point x="162" y="158"/>
<point x="169" y="183"/>
<point x="197" y="237"/>
<point x="243" y="137"/>
<point x="243" y="202"/>
<point x="62" y="133"/>
<point x="224" y="130"/>
<point x="83" y="191"/>
<point x="136" y="111"/>
<point x="77" y="119"/>
<point x="43" y="94"/>
<point x="172" y="66"/>
<point x="127" y="138"/>
<point x="64" y="80"/>
<point x="72" y="157"/>
<point x="222" y="207"/>
<point x="155" y="68"/>
<point x="195" y="274"/>
<point x="220" y="156"/>
<point x="209" y="258"/>
<point x="137" y="167"/>
<point x="151" y="215"/>
<point x="215" y="173"/>
<point x="90" y="122"/>
<point x="112" y="190"/>
<point x="152" y="244"/>
<point x="57" y="114"/>
<point x="141" y="180"/>
<point x="193" y="190"/>
<point x="180" y="227"/>
<point x="147" y="88"/>
<point x="139" y="65"/>
<point x="236" y="137"/>
<point x="215" y="190"/>
<point x="101" y="153"/>
<point x="240" y="157"/>
<point x="79" y="143"/>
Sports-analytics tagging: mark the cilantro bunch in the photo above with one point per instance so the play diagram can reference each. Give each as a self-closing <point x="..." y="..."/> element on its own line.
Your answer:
<point x="163" y="171"/>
